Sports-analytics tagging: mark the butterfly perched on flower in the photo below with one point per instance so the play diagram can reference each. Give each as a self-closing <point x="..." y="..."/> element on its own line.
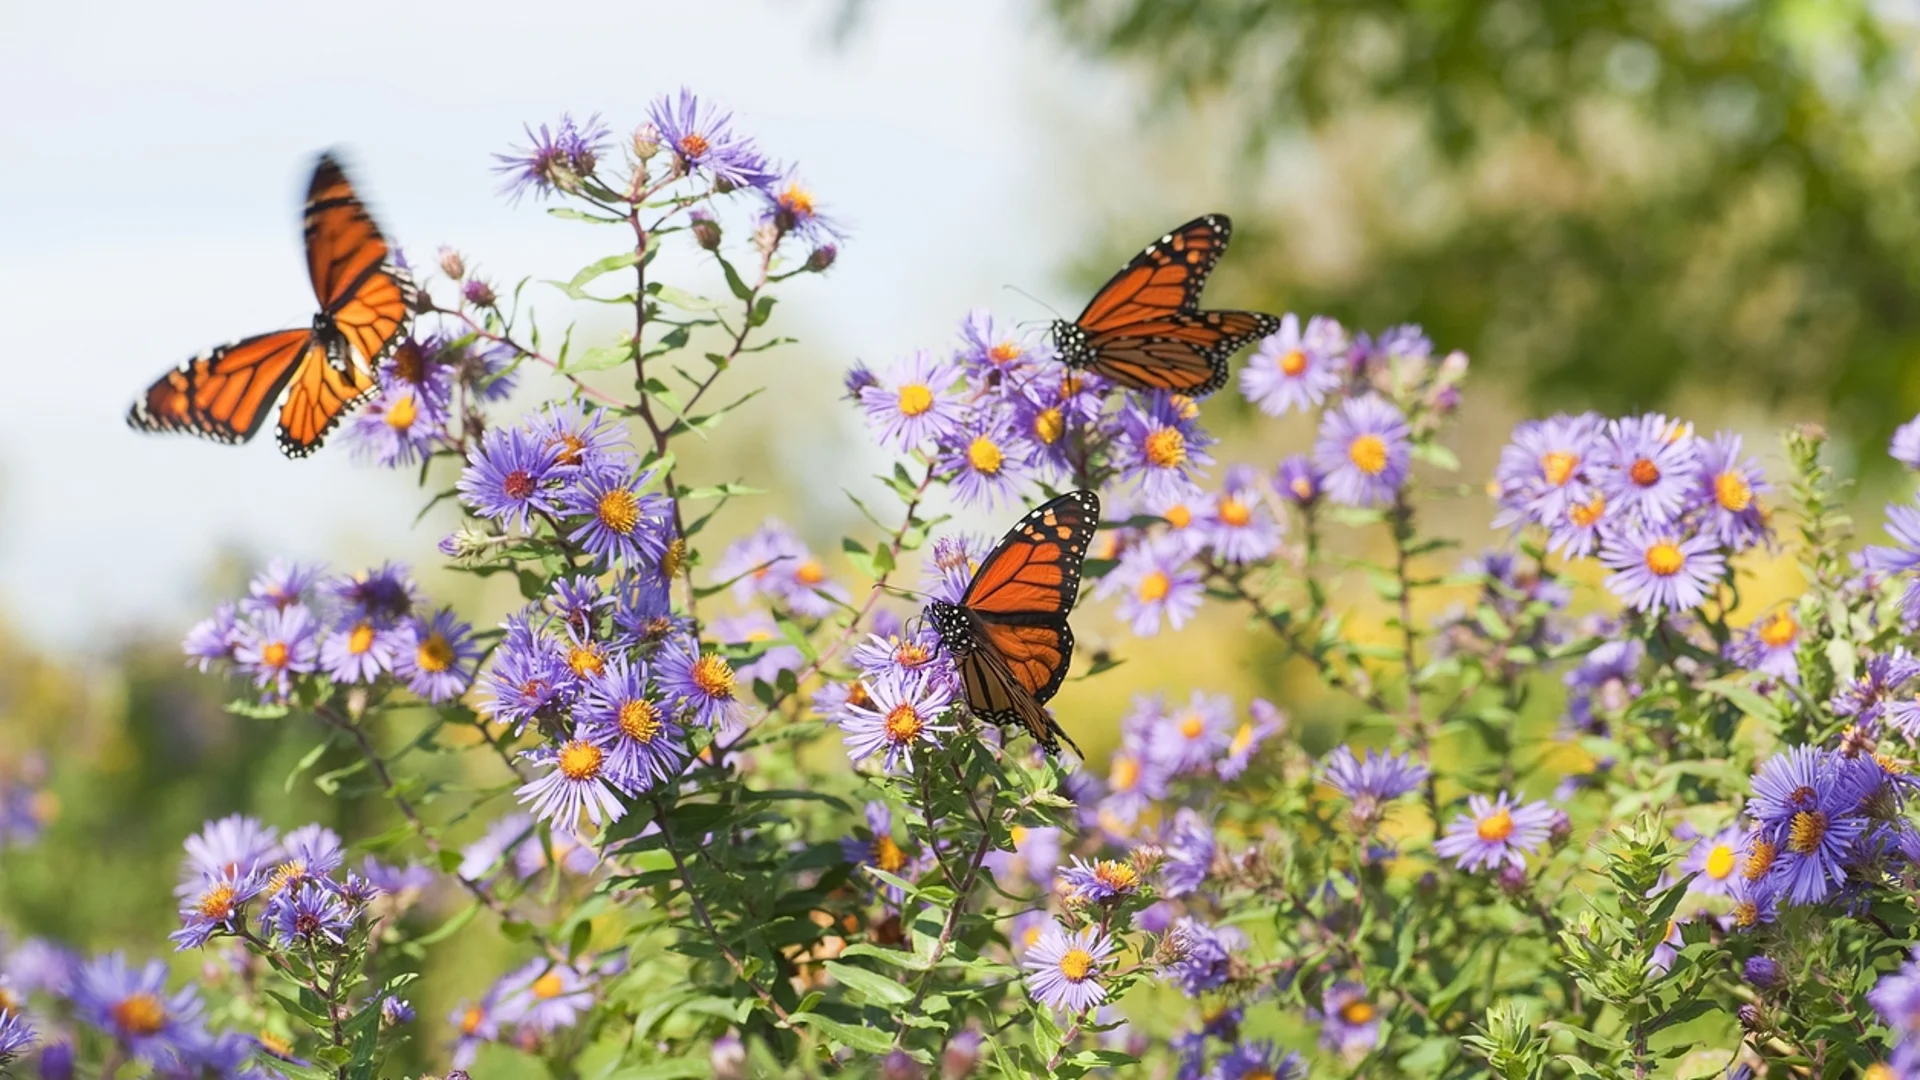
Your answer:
<point x="1008" y="633"/>
<point x="315" y="374"/>
<point x="1145" y="329"/>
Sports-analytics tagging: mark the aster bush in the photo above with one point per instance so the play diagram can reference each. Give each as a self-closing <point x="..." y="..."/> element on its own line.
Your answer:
<point x="1574" y="806"/>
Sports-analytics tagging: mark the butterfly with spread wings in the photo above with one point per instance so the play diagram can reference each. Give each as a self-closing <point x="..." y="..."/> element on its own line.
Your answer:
<point x="313" y="374"/>
<point x="1145" y="329"/>
<point x="1008" y="635"/>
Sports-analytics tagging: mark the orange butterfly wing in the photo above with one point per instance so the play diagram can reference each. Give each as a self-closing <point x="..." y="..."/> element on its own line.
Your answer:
<point x="1165" y="278"/>
<point x="1185" y="352"/>
<point x="369" y="300"/>
<point x="225" y="394"/>
<point x="319" y="395"/>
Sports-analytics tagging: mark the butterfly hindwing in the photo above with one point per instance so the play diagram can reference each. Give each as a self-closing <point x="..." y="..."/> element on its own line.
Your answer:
<point x="319" y="395"/>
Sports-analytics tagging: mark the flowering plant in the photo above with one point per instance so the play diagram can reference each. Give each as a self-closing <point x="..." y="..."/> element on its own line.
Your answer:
<point x="1575" y="807"/>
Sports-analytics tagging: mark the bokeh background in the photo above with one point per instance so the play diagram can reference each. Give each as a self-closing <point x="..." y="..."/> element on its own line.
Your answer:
<point x="1703" y="206"/>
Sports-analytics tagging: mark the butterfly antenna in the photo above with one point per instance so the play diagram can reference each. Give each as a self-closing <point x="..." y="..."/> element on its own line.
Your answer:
<point x="898" y="591"/>
<point x="1035" y="299"/>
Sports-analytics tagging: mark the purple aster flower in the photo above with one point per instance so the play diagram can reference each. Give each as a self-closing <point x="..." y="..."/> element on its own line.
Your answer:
<point x="398" y="879"/>
<point x="215" y="637"/>
<point x="133" y="1006"/>
<point x="1495" y="832"/>
<point x="769" y="652"/>
<point x="585" y="438"/>
<point x="16" y="1036"/>
<point x="480" y="859"/>
<point x="39" y="965"/>
<point x="1896" y="997"/>
<point x="561" y="847"/>
<point x="396" y="1011"/>
<point x="1762" y="972"/>
<point x="903" y="654"/>
<point x="383" y="596"/>
<point x="914" y="404"/>
<point x="1259" y="1060"/>
<point x="1159" y="444"/>
<point x="1134" y="783"/>
<point x="218" y="907"/>
<point x="506" y="478"/>
<point x="1296" y="480"/>
<point x="773" y="561"/>
<point x="357" y="652"/>
<point x="1662" y="570"/>
<point x="1905" y="447"/>
<point x="792" y="210"/>
<point x="617" y="712"/>
<point x="1718" y="859"/>
<point x="1064" y="969"/>
<point x="701" y="685"/>
<point x="1240" y="528"/>
<point x="904" y="710"/>
<point x="577" y="602"/>
<point x="878" y="849"/>
<point x="233" y="843"/>
<point x="622" y="524"/>
<point x="987" y="461"/>
<point x="1649" y="467"/>
<point x="305" y="913"/>
<point x="1100" y="881"/>
<point x="1291" y="370"/>
<point x="1730" y="490"/>
<point x="1363" y="451"/>
<point x="283" y="584"/>
<point x="1546" y="468"/>
<point x="544" y="996"/>
<point x="990" y="352"/>
<point x="310" y="851"/>
<point x="1767" y="645"/>
<point x="435" y="657"/>
<point x="1155" y="580"/>
<point x="554" y="159"/>
<point x="275" y="645"/>
<point x="701" y="138"/>
<point x="1193" y="738"/>
<point x="1371" y="783"/>
<point x="1035" y="855"/>
<point x="1866" y="698"/>
<point x="578" y="781"/>
<point x="1264" y="721"/>
<point x="474" y="1024"/>
<point x="1580" y="529"/>
<point x="528" y="677"/>
<point x="1205" y="955"/>
<point x="1806" y="804"/>
<point x="1188" y="846"/>
<point x="398" y="428"/>
<point x="1903" y="524"/>
<point x="1350" y="1025"/>
<point x="955" y="559"/>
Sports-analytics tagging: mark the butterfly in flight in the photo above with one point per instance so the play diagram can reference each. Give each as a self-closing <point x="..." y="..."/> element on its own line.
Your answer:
<point x="312" y="373"/>
<point x="1145" y="329"/>
<point x="1008" y="635"/>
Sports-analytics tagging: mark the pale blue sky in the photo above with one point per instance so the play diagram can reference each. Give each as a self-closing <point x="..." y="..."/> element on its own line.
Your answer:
<point x="157" y="153"/>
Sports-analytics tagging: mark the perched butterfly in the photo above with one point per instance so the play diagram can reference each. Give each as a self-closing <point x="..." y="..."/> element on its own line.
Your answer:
<point x="1008" y="635"/>
<point x="365" y="305"/>
<point x="1145" y="329"/>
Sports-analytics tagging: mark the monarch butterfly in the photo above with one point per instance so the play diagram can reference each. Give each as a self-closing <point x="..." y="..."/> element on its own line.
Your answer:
<point x="1144" y="328"/>
<point x="365" y="306"/>
<point x="1008" y="635"/>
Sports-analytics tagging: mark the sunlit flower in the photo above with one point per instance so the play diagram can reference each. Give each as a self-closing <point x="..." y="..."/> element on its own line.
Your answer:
<point x="1363" y="451"/>
<point x="1065" y="969"/>
<point x="1496" y="832"/>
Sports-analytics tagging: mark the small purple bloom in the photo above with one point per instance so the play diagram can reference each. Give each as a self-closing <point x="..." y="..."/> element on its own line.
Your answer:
<point x="913" y="404"/>
<point x="1188" y="847"/>
<point x="1291" y="370"/>
<point x="1064" y="969"/>
<point x="1159" y="445"/>
<point x="1371" y="783"/>
<point x="1662" y="570"/>
<point x="1730" y="490"/>
<point x="1767" y="645"/>
<point x="1363" y="451"/>
<point x="1496" y="832"/>
<point x="133" y="1007"/>
<point x="1718" y="859"/>
<point x="622" y="524"/>
<point x="1350" y="1024"/>
<point x="435" y="657"/>
<point x="1205" y="955"/>
<point x="274" y="645"/>
<point x="701" y="685"/>
<point x="554" y="159"/>
<point x="528" y="677"/>
<point x="1100" y="881"/>
<point x="1866" y="699"/>
<point x="1905" y="447"/>
<point x="1296" y="481"/>
<point x="903" y="710"/>
<point x="1546" y="468"/>
<point x="643" y="743"/>
<point x="308" y="912"/>
<point x="235" y="842"/>
<point x="1264" y="721"/>
<point x="1649" y="467"/>
<point x="1258" y="1060"/>
<point x="701" y="138"/>
<point x="544" y="996"/>
<point x="16" y="1036"/>
<point x="1156" y="580"/>
<point x="218" y="907"/>
<point x="578" y="782"/>
<point x="1239" y="527"/>
<point x="1192" y="739"/>
<point x="282" y="585"/>
<point x="213" y="638"/>
<point x="987" y="460"/>
<point x="506" y="478"/>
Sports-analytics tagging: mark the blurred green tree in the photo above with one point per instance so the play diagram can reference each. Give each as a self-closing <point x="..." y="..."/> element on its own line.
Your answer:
<point x="1605" y="201"/>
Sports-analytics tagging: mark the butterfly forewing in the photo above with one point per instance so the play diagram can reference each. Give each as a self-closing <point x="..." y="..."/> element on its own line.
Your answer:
<point x="1166" y="277"/>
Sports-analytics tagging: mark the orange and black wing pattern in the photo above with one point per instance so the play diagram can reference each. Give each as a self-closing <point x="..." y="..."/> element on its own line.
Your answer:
<point x="1009" y="633"/>
<point x="312" y="375"/>
<point x="1145" y="330"/>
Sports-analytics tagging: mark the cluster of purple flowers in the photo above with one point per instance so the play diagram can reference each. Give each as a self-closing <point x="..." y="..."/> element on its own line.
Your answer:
<point x="421" y="390"/>
<point x="364" y="628"/>
<point x="306" y="901"/>
<point x="1896" y="998"/>
<point x="527" y="1006"/>
<point x="1824" y="825"/>
<point x="1161" y="744"/>
<point x="1663" y="507"/>
<point x="899" y="699"/>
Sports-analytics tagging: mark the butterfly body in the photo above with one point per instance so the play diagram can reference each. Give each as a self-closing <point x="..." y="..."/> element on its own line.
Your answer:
<point x="315" y="374"/>
<point x="1145" y="328"/>
<point x="1008" y="633"/>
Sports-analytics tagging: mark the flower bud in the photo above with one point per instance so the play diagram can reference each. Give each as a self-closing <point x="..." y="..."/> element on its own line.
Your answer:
<point x="646" y="141"/>
<point x="1512" y="880"/>
<point x="451" y="264"/>
<point x="1753" y="1020"/>
<point x="396" y="1011"/>
<point x="56" y="1061"/>
<point x="728" y="1059"/>
<point x="1560" y="827"/>
<point x="1762" y="972"/>
<point x="822" y="257"/>
<point x="479" y="293"/>
<point x="706" y="231"/>
<point x="960" y="1056"/>
<point x="900" y="1065"/>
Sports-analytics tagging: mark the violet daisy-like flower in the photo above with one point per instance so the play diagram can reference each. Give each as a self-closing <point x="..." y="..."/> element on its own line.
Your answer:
<point x="528" y="676"/>
<point x="987" y="460"/>
<point x="1100" y="881"/>
<point x="1545" y="468"/>
<point x="1806" y="803"/>
<point x="310" y="851"/>
<point x="1718" y="859"/>
<point x="1258" y="1060"/>
<point x="1192" y="738"/>
<point x="584" y="438"/>
<point x="1905" y="447"/>
<point x="1363" y="451"/>
<point x="878" y="849"/>
<point x="1349" y="1023"/>
<point x="1865" y="699"/>
<point x="1766" y="646"/>
<point x="1264" y="721"/>
<point x="219" y="907"/>
<point x="544" y="996"/>
<point x="1296" y="481"/>
<point x="306" y="913"/>
<point x="1730" y="491"/>
<point x="132" y="1006"/>
<point x="792" y="209"/>
<point x="1662" y="570"/>
<point x="1239" y="528"/>
<point x="578" y="781"/>
<point x="914" y="405"/>
<point x="474" y="1025"/>
<point x="398" y="428"/>
<point x="701" y="138"/>
<point x="506" y="478"/>
<point x="701" y="686"/>
<point x="1294" y="370"/>
<point x="904" y="709"/>
<point x="991" y="352"/>
<point x="770" y="653"/>
<point x="283" y="584"/>
<point x="1159" y="445"/>
<point x="954" y="560"/>
<point x="554" y="159"/>
<point x="1896" y="997"/>
<point x="1372" y="782"/>
<point x="233" y="843"/>
<point x="1065" y="969"/>
<point x="1205" y="955"/>
<point x="275" y="645"/>
<point x="1648" y="466"/>
<point x="773" y="561"/>
<point x="643" y="744"/>
<point x="383" y="596"/>
<point x="1903" y="524"/>
<point x="1188" y="845"/>
<point x="480" y="859"/>
<point x="435" y="656"/>
<point x="1581" y="527"/>
<point x="1134" y="782"/>
<point x="1155" y="580"/>
<point x="1496" y="832"/>
<point x="213" y="638"/>
<point x="16" y="1037"/>
<point x="358" y="652"/>
<point x="621" y="523"/>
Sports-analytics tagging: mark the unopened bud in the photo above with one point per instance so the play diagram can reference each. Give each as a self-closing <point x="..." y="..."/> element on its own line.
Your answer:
<point x="451" y="264"/>
<point x="1752" y="1019"/>
<point x="1147" y="858"/>
<point x="646" y="141"/>
<point x="960" y="1056"/>
<point x="1560" y="827"/>
<point x="479" y="293"/>
<point x="1512" y="880"/>
<point x="820" y="258"/>
<point x="728" y="1058"/>
<point x="706" y="231"/>
<point x="900" y="1065"/>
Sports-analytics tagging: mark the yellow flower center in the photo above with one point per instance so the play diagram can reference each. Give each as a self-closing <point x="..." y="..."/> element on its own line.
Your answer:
<point x="140" y="1014"/>
<point x="1153" y="586"/>
<point x="1185" y="406"/>
<point x="217" y="902"/>
<point x="471" y="1020"/>
<point x="911" y="654"/>
<point x="1076" y="965"/>
<point x="1048" y="426"/>
<point x="1192" y="725"/>
<point x="586" y="658"/>
<point x="1004" y="353"/>
<point x="619" y="511"/>
<point x="1235" y="513"/>
<point x="1166" y="448"/>
<point x="1665" y="559"/>
<point x="1356" y="1012"/>
<point x="984" y="455"/>
<point x="1368" y="454"/>
<point x="1179" y="516"/>
<point x="1496" y="826"/>
<point x="1779" y="630"/>
<point x="287" y="873"/>
<point x="1241" y="739"/>
<point x="904" y="724"/>
<point x="810" y="572"/>
<point x="273" y="1043"/>
<point x="1585" y="514"/>
<point x="887" y="855"/>
<point x="580" y="760"/>
<point x="1745" y="914"/>
<point x="797" y="199"/>
<point x="1879" y="1070"/>
<point x="1301" y="487"/>
<point x="361" y="639"/>
<point x="714" y="676"/>
<point x="675" y="559"/>
<point x="434" y="654"/>
<point x="402" y="413"/>
<point x="915" y="399"/>
<point x="693" y="144"/>
<point x="639" y="721"/>
<point x="1732" y="492"/>
<point x="1558" y="466"/>
<point x="1116" y="875"/>
<point x="10" y="1001"/>
<point x="274" y="655"/>
<point x="548" y="986"/>
<point x="1644" y="472"/>
<point x="1760" y="858"/>
<point x="573" y="448"/>
<point x="1291" y="363"/>
<point x="1124" y="774"/>
<point x="1720" y="862"/>
<point x="1805" y="832"/>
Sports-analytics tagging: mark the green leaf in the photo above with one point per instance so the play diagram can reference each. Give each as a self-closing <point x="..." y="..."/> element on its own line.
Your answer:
<point x="873" y="986"/>
<point x="576" y="288"/>
<point x="680" y="298"/>
<point x="257" y="710"/>
<point x="868" y="1039"/>
<point x="1743" y="698"/>
<point x="568" y="213"/>
<point x="899" y="958"/>
<point x="306" y="762"/>
<point x="599" y="358"/>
